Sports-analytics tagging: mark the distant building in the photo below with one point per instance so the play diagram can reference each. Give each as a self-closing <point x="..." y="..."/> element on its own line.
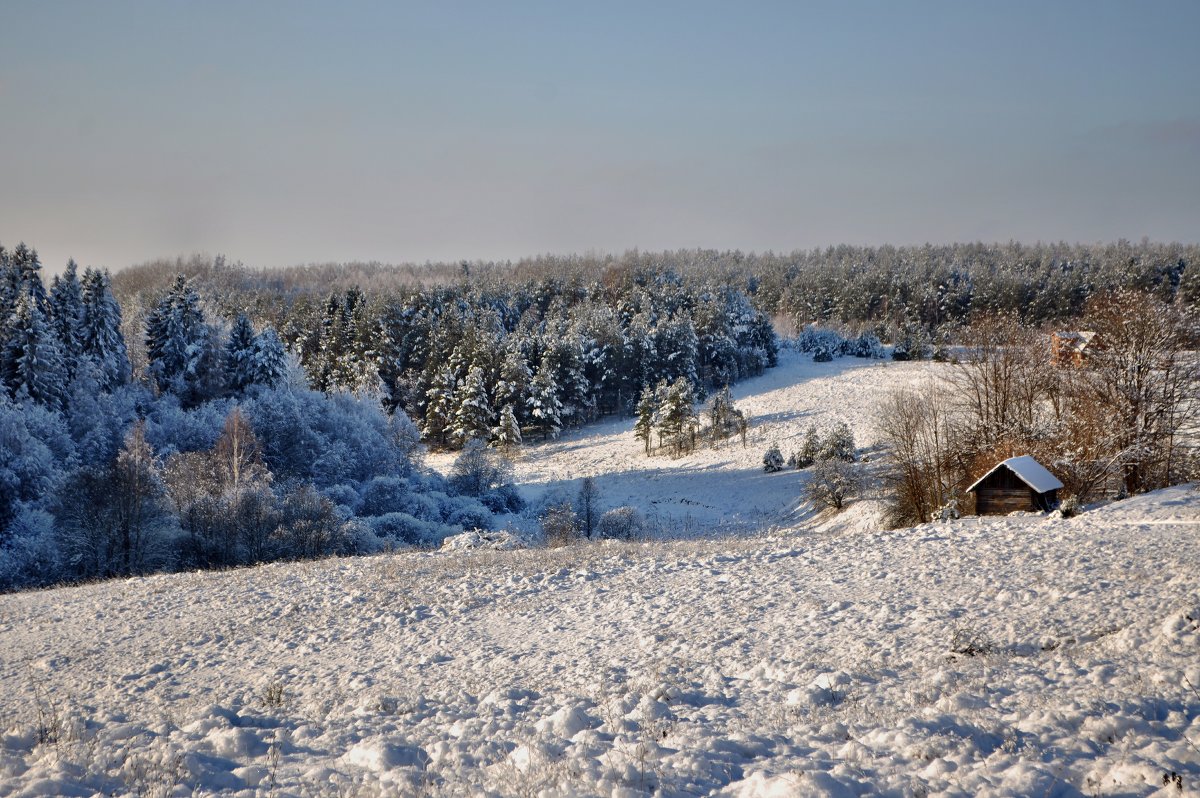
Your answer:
<point x="1018" y="483"/>
<point x="1071" y="348"/>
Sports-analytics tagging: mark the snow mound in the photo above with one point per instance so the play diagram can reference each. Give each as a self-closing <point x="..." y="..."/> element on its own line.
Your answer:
<point x="490" y="540"/>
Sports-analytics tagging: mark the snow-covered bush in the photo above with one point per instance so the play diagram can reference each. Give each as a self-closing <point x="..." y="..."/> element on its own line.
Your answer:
<point x="504" y="499"/>
<point x="838" y="444"/>
<point x="342" y="496"/>
<point x="30" y="553"/>
<point x="948" y="511"/>
<point x="1070" y="507"/>
<point x="404" y="529"/>
<point x="773" y="460"/>
<point x="560" y="526"/>
<point x="384" y="494"/>
<point x="832" y="483"/>
<point x="822" y="355"/>
<point x="470" y="513"/>
<point x="622" y="523"/>
<point x="479" y="470"/>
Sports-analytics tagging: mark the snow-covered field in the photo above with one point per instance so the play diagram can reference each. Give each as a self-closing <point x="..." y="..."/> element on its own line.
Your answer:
<point x="722" y="490"/>
<point x="810" y="660"/>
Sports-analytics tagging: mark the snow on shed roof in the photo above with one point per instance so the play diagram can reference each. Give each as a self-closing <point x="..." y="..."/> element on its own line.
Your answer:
<point x="1028" y="470"/>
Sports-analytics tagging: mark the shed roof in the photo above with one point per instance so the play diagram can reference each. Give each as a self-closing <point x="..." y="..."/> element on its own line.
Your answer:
<point x="1077" y="340"/>
<point x="1028" y="470"/>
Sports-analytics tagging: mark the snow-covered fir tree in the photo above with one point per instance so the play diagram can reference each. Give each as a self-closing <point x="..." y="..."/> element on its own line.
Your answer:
<point x="269" y="361"/>
<point x="239" y="355"/>
<point x="100" y="330"/>
<point x="66" y="311"/>
<point x="472" y="411"/>
<point x="506" y="436"/>
<point x="178" y="342"/>
<point x="34" y="367"/>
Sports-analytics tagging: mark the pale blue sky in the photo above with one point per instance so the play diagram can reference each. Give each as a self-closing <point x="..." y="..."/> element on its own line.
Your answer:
<point x="285" y="132"/>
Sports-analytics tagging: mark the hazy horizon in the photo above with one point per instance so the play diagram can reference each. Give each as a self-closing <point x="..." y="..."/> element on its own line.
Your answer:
<point x="285" y="134"/>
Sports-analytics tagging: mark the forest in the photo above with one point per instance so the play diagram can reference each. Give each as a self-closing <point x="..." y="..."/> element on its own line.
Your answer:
<point x="187" y="435"/>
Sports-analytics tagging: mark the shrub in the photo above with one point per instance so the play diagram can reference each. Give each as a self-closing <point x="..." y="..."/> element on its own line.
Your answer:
<point x="470" y="514"/>
<point x="773" y="460"/>
<point x="622" y="523"/>
<point x="822" y="355"/>
<point x="403" y="528"/>
<point x="559" y="525"/>
<point x="383" y="495"/>
<point x="838" y="444"/>
<point x="832" y="483"/>
<point x="1070" y="507"/>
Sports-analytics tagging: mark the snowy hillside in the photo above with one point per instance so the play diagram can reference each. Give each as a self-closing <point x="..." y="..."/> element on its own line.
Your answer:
<point x="797" y="664"/>
<point x="725" y="488"/>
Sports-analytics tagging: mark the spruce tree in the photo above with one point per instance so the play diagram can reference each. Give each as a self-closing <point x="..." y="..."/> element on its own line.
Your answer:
<point x="269" y="364"/>
<point x="239" y="355"/>
<point x="33" y="359"/>
<point x="177" y="342"/>
<point x="66" y="311"/>
<point x="100" y="329"/>
<point x="644" y="426"/>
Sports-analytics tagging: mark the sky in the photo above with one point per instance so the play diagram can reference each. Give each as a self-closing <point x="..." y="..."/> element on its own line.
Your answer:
<point x="280" y="133"/>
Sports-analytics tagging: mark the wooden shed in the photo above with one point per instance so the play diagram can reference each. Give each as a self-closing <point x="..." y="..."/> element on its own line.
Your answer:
<point x="1018" y="483"/>
<point x="1073" y="347"/>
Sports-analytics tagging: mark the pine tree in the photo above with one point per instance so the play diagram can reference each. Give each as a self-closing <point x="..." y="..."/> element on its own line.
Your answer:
<point x="507" y="433"/>
<point x="545" y="408"/>
<point x="100" y="329"/>
<point x="32" y="357"/>
<point x="644" y="426"/>
<point x="810" y="448"/>
<point x="439" y="407"/>
<point x="239" y="355"/>
<point x="677" y="416"/>
<point x="513" y="387"/>
<point x="472" y="412"/>
<point x="838" y="444"/>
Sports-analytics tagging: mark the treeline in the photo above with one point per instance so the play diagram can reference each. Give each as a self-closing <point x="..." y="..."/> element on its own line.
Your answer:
<point x="214" y="452"/>
<point x="882" y="288"/>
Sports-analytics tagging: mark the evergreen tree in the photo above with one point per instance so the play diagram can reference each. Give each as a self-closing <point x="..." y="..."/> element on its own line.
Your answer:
<point x="472" y="412"/>
<point x="644" y="426"/>
<point x="100" y="329"/>
<point x="810" y="448"/>
<point x="514" y="384"/>
<point x="838" y="444"/>
<point x="439" y="407"/>
<point x="677" y="416"/>
<point x="33" y="359"/>
<point x="178" y="343"/>
<point x="269" y="365"/>
<point x="66" y="311"/>
<point x="545" y="408"/>
<point x="507" y="433"/>
<point x="239" y="355"/>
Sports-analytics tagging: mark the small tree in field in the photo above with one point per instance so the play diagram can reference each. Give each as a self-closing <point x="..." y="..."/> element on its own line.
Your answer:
<point x="773" y="460"/>
<point x="588" y="506"/>
<point x="832" y="483"/>
<point x="560" y="525"/>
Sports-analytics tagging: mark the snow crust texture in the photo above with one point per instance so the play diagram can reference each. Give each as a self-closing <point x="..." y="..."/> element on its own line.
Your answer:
<point x="1010" y="656"/>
